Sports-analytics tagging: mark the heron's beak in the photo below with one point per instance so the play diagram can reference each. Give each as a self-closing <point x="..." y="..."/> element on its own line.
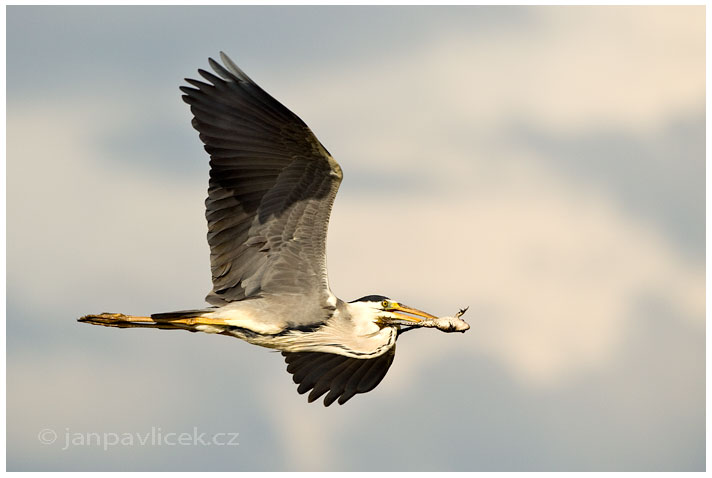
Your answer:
<point x="400" y="311"/>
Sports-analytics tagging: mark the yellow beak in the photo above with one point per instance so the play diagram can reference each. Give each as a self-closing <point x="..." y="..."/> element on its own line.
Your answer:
<point x="401" y="310"/>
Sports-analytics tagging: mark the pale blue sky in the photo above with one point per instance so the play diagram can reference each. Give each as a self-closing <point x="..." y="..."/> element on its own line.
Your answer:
<point x="553" y="159"/>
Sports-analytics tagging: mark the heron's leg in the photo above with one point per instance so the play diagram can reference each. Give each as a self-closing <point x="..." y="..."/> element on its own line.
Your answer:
<point x="123" y="320"/>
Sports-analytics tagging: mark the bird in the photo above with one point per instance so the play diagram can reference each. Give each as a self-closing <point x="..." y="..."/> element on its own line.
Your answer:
<point x="270" y="193"/>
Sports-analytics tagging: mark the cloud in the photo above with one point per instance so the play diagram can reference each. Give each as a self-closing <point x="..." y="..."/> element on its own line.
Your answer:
<point x="565" y="70"/>
<point x="571" y="291"/>
<point x="71" y="209"/>
<point x="550" y="268"/>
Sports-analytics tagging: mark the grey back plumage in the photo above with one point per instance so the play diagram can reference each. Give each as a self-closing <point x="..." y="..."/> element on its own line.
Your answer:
<point x="272" y="185"/>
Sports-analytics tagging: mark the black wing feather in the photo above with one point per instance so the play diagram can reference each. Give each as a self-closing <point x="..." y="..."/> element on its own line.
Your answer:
<point x="341" y="376"/>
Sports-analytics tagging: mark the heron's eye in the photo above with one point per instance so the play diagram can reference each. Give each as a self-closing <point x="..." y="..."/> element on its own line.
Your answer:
<point x="385" y="304"/>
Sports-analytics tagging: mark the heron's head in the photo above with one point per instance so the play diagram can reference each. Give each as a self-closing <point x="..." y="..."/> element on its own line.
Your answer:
<point x="388" y="312"/>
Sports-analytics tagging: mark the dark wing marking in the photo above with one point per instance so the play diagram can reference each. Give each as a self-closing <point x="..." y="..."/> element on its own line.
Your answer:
<point x="272" y="185"/>
<point x="343" y="377"/>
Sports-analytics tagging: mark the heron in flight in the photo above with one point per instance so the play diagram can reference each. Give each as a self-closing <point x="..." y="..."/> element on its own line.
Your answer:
<point x="272" y="186"/>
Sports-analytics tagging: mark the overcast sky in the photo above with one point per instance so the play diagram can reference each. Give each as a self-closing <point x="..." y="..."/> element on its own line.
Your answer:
<point x="545" y="166"/>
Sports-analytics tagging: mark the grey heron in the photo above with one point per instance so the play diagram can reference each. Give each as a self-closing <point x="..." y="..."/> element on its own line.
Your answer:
<point x="271" y="189"/>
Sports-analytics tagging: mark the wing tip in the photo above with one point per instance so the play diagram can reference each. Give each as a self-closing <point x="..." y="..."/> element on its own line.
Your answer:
<point x="233" y="68"/>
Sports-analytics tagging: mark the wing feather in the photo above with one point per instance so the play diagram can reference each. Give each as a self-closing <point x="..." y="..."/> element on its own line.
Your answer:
<point x="272" y="185"/>
<point x="342" y="377"/>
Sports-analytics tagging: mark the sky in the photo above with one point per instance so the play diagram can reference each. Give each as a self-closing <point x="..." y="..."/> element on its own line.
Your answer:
<point x="545" y="167"/>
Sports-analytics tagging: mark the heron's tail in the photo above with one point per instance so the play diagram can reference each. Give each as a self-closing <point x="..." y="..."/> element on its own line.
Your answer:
<point x="185" y="320"/>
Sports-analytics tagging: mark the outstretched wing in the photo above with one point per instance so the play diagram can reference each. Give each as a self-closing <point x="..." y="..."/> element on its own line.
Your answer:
<point x="272" y="185"/>
<point x="343" y="377"/>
